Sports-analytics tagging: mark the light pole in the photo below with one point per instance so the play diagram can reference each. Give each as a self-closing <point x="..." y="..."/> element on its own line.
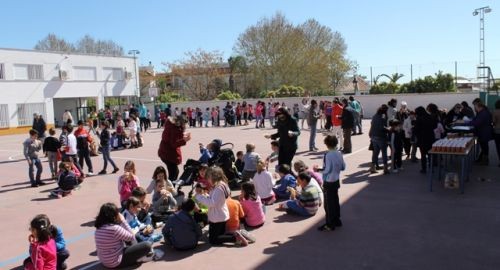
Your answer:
<point x="481" y="11"/>
<point x="355" y="84"/>
<point x="134" y="53"/>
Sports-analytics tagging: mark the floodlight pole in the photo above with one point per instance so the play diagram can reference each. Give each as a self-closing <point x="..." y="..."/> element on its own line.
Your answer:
<point x="481" y="11"/>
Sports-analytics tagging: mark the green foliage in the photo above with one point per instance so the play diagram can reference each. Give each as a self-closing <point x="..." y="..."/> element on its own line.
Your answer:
<point x="286" y="91"/>
<point x="228" y="95"/>
<point x="440" y="83"/>
<point x="169" y="97"/>
<point x="385" y="88"/>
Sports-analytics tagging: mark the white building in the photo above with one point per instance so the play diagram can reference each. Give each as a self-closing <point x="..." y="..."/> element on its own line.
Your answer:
<point x="51" y="82"/>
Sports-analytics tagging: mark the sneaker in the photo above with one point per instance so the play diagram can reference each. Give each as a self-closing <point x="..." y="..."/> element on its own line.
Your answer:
<point x="102" y="172"/>
<point x="115" y="170"/>
<point x="325" y="228"/>
<point x="158" y="254"/>
<point x="34" y="185"/>
<point x="159" y="224"/>
<point x="240" y="240"/>
<point x="248" y="236"/>
<point x="156" y="237"/>
<point x="40" y="183"/>
<point x="91" y="174"/>
<point x="146" y="258"/>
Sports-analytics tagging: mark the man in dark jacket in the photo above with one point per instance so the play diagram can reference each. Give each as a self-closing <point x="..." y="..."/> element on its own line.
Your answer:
<point x="424" y="131"/>
<point x="347" y="125"/>
<point x="483" y="129"/>
<point x="39" y="125"/>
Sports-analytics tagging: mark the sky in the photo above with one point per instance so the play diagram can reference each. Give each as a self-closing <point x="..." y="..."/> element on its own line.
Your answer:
<point x="388" y="36"/>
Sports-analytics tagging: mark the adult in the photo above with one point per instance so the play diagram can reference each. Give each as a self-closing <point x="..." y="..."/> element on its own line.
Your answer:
<point x="288" y="132"/>
<point x="403" y="112"/>
<point x="454" y="114"/>
<point x="356" y="106"/>
<point x="496" y="125"/>
<point x="143" y="115"/>
<point x="378" y="137"/>
<point x="304" y="112"/>
<point x="67" y="118"/>
<point x="424" y="132"/>
<point x="83" y="140"/>
<point x="172" y="138"/>
<point x="467" y="111"/>
<point x="111" y="237"/>
<point x="39" y="125"/>
<point x="312" y="118"/>
<point x="347" y="125"/>
<point x="337" y="110"/>
<point x="483" y="130"/>
<point x="105" y="148"/>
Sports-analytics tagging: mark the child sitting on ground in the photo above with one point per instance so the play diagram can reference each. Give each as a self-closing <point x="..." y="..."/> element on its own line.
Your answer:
<point x="142" y="231"/>
<point x="263" y="181"/>
<point x="201" y="210"/>
<point x="303" y="203"/>
<point x="43" y="250"/>
<point x="127" y="182"/>
<point x="250" y="160"/>
<point x="144" y="215"/>
<point x="273" y="157"/>
<point x="67" y="180"/>
<point x="181" y="230"/>
<point x="287" y="180"/>
<point x="202" y="177"/>
<point x="299" y="166"/>
<point x="239" y="162"/>
<point x="164" y="203"/>
<point x="252" y="206"/>
<point x="233" y="224"/>
<point x="160" y="174"/>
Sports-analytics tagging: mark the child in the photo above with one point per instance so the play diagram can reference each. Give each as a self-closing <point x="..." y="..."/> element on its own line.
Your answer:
<point x="43" y="250"/>
<point x="206" y="116"/>
<point x="202" y="171"/>
<point x="239" y="162"/>
<point x="206" y="153"/>
<point x="164" y="202"/>
<point x="66" y="181"/>
<point x="408" y="126"/>
<point x="51" y="147"/>
<point x="160" y="174"/>
<point x="273" y="157"/>
<point x="235" y="214"/>
<point x="396" y="143"/>
<point x="181" y="230"/>
<point x="286" y="181"/>
<point x="31" y="147"/>
<point x="263" y="181"/>
<point x="144" y="216"/>
<point x="250" y="160"/>
<point x="142" y="231"/>
<point x="132" y="127"/>
<point x="127" y="182"/>
<point x="218" y="212"/>
<point x="333" y="164"/>
<point x="300" y="166"/>
<point x="306" y="202"/>
<point x="201" y="210"/>
<point x="252" y="206"/>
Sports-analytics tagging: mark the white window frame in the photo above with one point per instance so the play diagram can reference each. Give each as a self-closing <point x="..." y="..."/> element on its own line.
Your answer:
<point x="77" y="78"/>
<point x="4" y="116"/>
<point x="25" y="113"/>
<point x="112" y="74"/>
<point x="33" y="72"/>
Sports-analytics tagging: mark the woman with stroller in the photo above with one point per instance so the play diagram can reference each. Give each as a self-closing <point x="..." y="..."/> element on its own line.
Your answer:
<point x="173" y="137"/>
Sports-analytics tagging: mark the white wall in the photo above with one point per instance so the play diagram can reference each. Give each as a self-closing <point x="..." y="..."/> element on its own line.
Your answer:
<point x="37" y="91"/>
<point x="370" y="102"/>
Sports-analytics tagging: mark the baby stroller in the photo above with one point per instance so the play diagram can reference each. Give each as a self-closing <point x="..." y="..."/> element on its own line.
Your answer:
<point x="188" y="176"/>
<point x="224" y="158"/>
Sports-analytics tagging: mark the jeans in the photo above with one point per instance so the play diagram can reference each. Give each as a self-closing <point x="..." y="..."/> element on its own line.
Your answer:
<point x="106" y="156"/>
<point x="217" y="233"/>
<point x="134" y="252"/>
<point x="62" y="256"/>
<point x="424" y="150"/>
<point x="84" y="154"/>
<point x="35" y="162"/>
<point x="173" y="170"/>
<point x="379" y="145"/>
<point x="332" y="203"/>
<point x="52" y="156"/>
<point x="312" y="137"/>
<point x="347" y="140"/>
<point x="258" y="118"/>
<point x="295" y="208"/>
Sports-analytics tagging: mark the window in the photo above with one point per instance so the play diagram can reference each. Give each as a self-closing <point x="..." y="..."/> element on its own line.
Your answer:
<point x="112" y="74"/>
<point x="85" y="73"/>
<point x="4" y="115"/>
<point x="25" y="113"/>
<point x="2" y="72"/>
<point x="28" y="72"/>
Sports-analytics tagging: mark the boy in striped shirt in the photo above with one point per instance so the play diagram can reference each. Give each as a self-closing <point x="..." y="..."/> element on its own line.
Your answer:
<point x="303" y="203"/>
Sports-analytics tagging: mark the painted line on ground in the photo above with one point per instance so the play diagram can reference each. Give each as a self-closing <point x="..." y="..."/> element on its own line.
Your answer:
<point x="26" y="254"/>
<point x="357" y="151"/>
<point x="90" y="265"/>
<point x="138" y="159"/>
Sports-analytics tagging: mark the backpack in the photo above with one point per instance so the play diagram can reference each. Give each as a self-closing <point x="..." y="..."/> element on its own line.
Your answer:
<point x="181" y="231"/>
<point x="67" y="180"/>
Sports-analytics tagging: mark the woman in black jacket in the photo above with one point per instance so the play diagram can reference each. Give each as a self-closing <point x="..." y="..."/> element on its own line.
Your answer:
<point x="105" y="148"/>
<point x="424" y="131"/>
<point x="288" y="132"/>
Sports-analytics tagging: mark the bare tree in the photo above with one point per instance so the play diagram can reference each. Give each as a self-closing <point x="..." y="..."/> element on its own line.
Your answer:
<point x="201" y="74"/>
<point x="54" y="43"/>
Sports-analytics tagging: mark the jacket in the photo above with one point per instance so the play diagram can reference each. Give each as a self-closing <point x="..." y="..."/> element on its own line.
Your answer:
<point x="51" y="144"/>
<point x="31" y="148"/>
<point x="181" y="231"/>
<point x="482" y="124"/>
<point x="285" y="140"/>
<point x="336" y="112"/>
<point x="172" y="139"/>
<point x="83" y="138"/>
<point x="347" y="117"/>
<point x="40" y="126"/>
<point x="378" y="127"/>
<point x="43" y="256"/>
<point x="104" y="138"/>
<point x="424" y="130"/>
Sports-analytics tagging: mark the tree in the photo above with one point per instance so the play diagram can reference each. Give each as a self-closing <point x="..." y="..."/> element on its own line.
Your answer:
<point x="280" y="53"/>
<point x="237" y="68"/>
<point x="201" y="73"/>
<point x="54" y="43"/>
<point x="394" y="78"/>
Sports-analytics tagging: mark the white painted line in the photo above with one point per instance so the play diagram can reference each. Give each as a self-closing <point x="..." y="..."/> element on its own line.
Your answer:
<point x="138" y="159"/>
<point x="357" y="151"/>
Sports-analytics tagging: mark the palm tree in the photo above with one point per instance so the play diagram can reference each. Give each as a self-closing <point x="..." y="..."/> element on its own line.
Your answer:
<point x="393" y="78"/>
